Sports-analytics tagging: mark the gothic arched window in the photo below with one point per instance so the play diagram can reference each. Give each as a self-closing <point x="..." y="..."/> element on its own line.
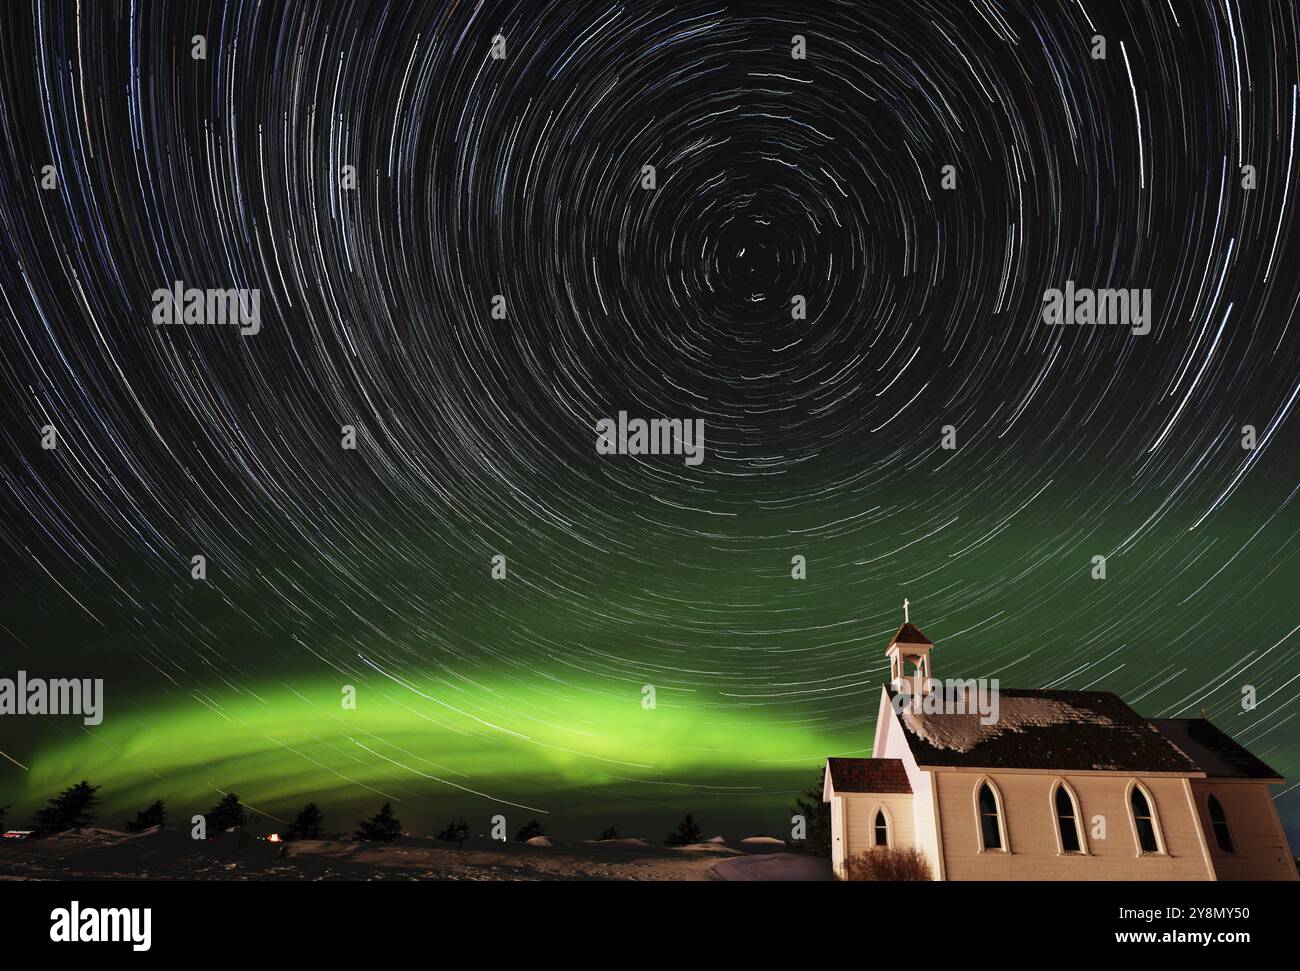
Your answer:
<point x="1219" y="822"/>
<point x="990" y="816"/>
<point x="1067" y="820"/>
<point x="1144" y="820"/>
<point x="881" y="827"/>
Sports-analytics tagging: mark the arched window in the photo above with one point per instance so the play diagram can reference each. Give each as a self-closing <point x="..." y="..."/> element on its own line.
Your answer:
<point x="1067" y="820"/>
<point x="989" y="811"/>
<point x="1144" y="820"/>
<point x="1219" y="821"/>
<point x="881" y="827"/>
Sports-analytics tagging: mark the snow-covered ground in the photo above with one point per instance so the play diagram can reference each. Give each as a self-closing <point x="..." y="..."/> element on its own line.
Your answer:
<point x="773" y="866"/>
<point x="99" y="854"/>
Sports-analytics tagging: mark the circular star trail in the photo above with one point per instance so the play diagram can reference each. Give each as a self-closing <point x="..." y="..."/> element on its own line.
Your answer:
<point x="445" y="211"/>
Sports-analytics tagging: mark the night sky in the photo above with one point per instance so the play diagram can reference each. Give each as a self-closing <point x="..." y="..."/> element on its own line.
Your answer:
<point x="522" y="176"/>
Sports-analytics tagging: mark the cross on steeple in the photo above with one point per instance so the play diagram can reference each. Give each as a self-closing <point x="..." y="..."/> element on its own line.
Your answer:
<point x="909" y="657"/>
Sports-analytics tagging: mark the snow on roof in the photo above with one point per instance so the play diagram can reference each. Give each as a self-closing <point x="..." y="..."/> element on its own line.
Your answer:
<point x="1045" y="729"/>
<point x="962" y="732"/>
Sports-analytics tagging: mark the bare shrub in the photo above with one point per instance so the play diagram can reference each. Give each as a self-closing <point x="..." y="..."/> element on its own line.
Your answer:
<point x="887" y="863"/>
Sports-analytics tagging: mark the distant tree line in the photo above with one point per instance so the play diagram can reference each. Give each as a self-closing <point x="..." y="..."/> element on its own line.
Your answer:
<point x="75" y="808"/>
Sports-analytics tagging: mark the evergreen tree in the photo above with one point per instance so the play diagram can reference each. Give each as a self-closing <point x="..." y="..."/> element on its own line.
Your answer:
<point x="154" y="815"/>
<point x="817" y="818"/>
<point x="225" y="814"/>
<point x="383" y="826"/>
<point x="457" y="831"/>
<point x="610" y="833"/>
<point x="308" y="824"/>
<point x="533" y="828"/>
<point x="70" y="809"/>
<point x="687" y="832"/>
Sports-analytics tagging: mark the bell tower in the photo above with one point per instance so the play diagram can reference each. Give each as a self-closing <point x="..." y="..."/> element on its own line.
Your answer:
<point x="909" y="658"/>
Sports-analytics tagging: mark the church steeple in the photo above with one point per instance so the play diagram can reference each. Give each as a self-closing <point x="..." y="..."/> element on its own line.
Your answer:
<point x="909" y="657"/>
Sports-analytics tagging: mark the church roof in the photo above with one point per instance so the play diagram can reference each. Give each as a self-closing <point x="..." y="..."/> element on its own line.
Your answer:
<point x="869" y="775"/>
<point x="1050" y="730"/>
<point x="1218" y="756"/>
<point x="908" y="634"/>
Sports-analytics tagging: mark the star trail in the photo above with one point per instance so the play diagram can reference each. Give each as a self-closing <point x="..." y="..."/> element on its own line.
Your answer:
<point x="825" y="231"/>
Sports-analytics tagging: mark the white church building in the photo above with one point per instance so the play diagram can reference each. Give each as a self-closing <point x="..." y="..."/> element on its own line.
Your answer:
<point x="1062" y="785"/>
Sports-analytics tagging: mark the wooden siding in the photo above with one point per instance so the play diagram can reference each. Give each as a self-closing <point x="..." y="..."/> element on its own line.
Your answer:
<point x="1261" y="848"/>
<point x="1032" y="829"/>
<point x="859" y="815"/>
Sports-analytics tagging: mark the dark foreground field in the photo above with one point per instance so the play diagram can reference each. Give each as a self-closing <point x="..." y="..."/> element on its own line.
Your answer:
<point x="100" y="854"/>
